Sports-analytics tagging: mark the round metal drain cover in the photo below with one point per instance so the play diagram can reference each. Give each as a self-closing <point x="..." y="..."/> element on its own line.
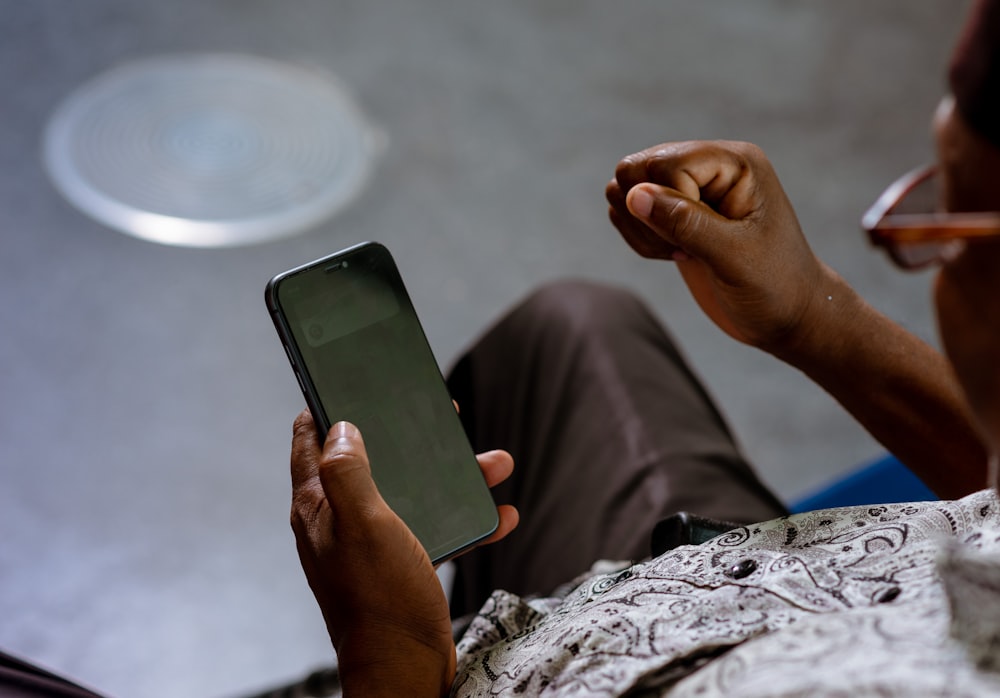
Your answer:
<point x="209" y="150"/>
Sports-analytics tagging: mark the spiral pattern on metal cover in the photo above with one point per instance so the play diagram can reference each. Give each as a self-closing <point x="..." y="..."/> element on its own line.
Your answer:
<point x="209" y="150"/>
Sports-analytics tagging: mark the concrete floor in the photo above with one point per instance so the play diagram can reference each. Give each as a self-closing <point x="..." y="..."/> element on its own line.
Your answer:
<point x="145" y="403"/>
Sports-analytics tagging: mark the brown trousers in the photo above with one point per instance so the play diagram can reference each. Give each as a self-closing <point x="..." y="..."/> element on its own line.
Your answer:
<point x="610" y="432"/>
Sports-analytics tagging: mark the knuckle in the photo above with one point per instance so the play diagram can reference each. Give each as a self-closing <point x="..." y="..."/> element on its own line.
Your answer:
<point x="303" y="513"/>
<point x="343" y="461"/>
<point x="750" y="150"/>
<point x="680" y="221"/>
<point x="631" y="168"/>
<point x="626" y="164"/>
<point x="303" y="422"/>
<point x="752" y="159"/>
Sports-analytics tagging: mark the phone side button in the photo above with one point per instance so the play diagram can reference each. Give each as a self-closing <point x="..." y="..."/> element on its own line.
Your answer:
<point x="299" y="379"/>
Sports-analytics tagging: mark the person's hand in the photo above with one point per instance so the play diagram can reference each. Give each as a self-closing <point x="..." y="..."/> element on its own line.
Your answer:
<point x="382" y="601"/>
<point x="718" y="210"/>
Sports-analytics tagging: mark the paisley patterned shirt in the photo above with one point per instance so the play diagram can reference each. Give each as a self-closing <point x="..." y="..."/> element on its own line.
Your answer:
<point x="889" y="600"/>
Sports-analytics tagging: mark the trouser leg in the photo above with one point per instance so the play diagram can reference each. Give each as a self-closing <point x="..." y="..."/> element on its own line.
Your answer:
<point x="610" y="432"/>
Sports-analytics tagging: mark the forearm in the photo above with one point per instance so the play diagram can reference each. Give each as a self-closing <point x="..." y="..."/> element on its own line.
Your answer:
<point x="898" y="387"/>
<point x="718" y="210"/>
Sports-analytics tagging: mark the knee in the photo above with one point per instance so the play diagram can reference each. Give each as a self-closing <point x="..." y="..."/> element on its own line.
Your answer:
<point x="584" y="306"/>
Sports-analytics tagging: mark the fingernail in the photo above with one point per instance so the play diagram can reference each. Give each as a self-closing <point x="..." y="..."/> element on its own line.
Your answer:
<point x="344" y="430"/>
<point x="640" y="202"/>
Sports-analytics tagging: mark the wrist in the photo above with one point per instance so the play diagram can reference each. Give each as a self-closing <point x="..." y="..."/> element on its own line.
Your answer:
<point x="395" y="664"/>
<point x="831" y="318"/>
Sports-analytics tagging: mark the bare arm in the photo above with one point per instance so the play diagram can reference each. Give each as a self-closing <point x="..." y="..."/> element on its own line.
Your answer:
<point x="718" y="210"/>
<point x="897" y="386"/>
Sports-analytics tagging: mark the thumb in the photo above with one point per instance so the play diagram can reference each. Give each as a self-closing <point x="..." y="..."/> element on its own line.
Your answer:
<point x="688" y="224"/>
<point x="345" y="472"/>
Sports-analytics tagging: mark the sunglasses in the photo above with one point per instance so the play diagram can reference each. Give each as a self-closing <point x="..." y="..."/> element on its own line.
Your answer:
<point x="904" y="222"/>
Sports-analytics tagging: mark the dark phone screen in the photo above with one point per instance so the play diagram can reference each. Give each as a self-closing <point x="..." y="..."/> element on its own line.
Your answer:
<point x="368" y="361"/>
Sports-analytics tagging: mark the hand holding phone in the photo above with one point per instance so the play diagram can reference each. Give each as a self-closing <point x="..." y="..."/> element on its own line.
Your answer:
<point x="370" y="575"/>
<point x="360" y="355"/>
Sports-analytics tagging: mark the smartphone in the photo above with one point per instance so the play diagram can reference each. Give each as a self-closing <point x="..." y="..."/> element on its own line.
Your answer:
<point x="360" y="355"/>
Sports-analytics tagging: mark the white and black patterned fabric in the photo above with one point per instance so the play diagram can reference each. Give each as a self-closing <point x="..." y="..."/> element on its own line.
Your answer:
<point x="841" y="602"/>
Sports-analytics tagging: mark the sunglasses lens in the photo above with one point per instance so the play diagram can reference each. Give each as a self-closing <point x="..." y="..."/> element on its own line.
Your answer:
<point x="922" y="198"/>
<point x="920" y="254"/>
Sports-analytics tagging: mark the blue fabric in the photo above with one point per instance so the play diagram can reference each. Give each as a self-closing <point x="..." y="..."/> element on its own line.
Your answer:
<point x="882" y="481"/>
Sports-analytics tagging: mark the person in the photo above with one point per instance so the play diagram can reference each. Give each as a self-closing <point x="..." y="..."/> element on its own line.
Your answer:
<point x="614" y="437"/>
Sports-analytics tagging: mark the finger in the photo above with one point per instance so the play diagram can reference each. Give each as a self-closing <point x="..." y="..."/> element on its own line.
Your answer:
<point x="305" y="450"/>
<point x="662" y="164"/>
<point x="509" y="518"/>
<point x="690" y="225"/>
<point x="691" y="168"/>
<point x="345" y="472"/>
<point x="634" y="169"/>
<point x="643" y="240"/>
<point x="637" y="234"/>
<point x="496" y="466"/>
<point x="614" y="193"/>
<point x="720" y="173"/>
